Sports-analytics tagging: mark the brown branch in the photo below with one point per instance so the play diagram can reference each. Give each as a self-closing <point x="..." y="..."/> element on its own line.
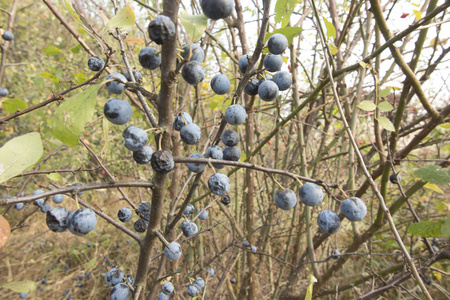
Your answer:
<point x="76" y="189"/>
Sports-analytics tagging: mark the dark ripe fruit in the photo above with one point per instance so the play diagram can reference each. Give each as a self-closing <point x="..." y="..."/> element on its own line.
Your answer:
<point x="220" y="84"/>
<point x="253" y="249"/>
<point x="81" y="221"/>
<point x="23" y="295"/>
<point x="265" y="78"/>
<point x="189" y="228"/>
<point x="181" y="120"/>
<point x="233" y="280"/>
<point x="204" y="215"/>
<point x="226" y="199"/>
<point x="18" y="206"/>
<point x="162" y="162"/>
<point x="217" y="9"/>
<point x="196" y="167"/>
<point x="161" y="29"/>
<point x="200" y="283"/>
<point x="395" y="178"/>
<point x="219" y="184"/>
<point x="243" y="63"/>
<point x="45" y="208"/>
<point x="144" y="210"/>
<point x="285" y="199"/>
<point x="140" y="225"/>
<point x="251" y="88"/>
<point x="189" y="210"/>
<point x="436" y="241"/>
<point x="328" y="221"/>
<point x="268" y="90"/>
<point x="230" y="138"/>
<point x="191" y="134"/>
<point x="137" y="77"/>
<point x="124" y="214"/>
<point x="196" y="53"/>
<point x="354" y="209"/>
<point x="149" y="58"/>
<point x="427" y="280"/>
<point x="117" y="111"/>
<point x="8" y="35"/>
<point x="96" y="63"/>
<point x="3" y="92"/>
<point x="211" y="272"/>
<point x="277" y="43"/>
<point x="163" y="296"/>
<point x="173" y="251"/>
<point x="193" y="72"/>
<point x="231" y="153"/>
<point x="215" y="152"/>
<point x="335" y="254"/>
<point x="235" y="114"/>
<point x="245" y="244"/>
<point x="167" y="288"/>
<point x="117" y="85"/>
<point x="38" y="202"/>
<point x="143" y="156"/>
<point x="120" y="291"/>
<point x="273" y="62"/>
<point x="113" y="276"/>
<point x="58" y="198"/>
<point x="283" y="80"/>
<point x="135" y="138"/>
<point x="192" y="290"/>
<point x="311" y="194"/>
<point x="57" y="219"/>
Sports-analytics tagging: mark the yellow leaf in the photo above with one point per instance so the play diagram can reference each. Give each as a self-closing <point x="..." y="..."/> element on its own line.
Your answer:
<point x="434" y="187"/>
<point x="309" y="290"/>
<point x="418" y="14"/>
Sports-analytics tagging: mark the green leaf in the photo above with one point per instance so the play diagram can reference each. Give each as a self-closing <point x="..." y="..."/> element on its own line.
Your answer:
<point x="194" y="25"/>
<point x="20" y="286"/>
<point x="309" y="290"/>
<point x="12" y="105"/>
<point x="283" y="11"/>
<point x="71" y="116"/>
<point x="124" y="19"/>
<point x="426" y="229"/>
<point x="76" y="49"/>
<point x="91" y="263"/>
<point x="385" y="106"/>
<point x="385" y="92"/>
<point x="73" y="12"/>
<point x="19" y="154"/>
<point x="51" y="50"/>
<point x="367" y="105"/>
<point x="54" y="176"/>
<point x="434" y="174"/>
<point x="386" y="123"/>
<point x="49" y="76"/>
<point x="445" y="228"/>
<point x="333" y="48"/>
<point x="331" y="31"/>
<point x="288" y="32"/>
<point x="80" y="77"/>
<point x="433" y="187"/>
